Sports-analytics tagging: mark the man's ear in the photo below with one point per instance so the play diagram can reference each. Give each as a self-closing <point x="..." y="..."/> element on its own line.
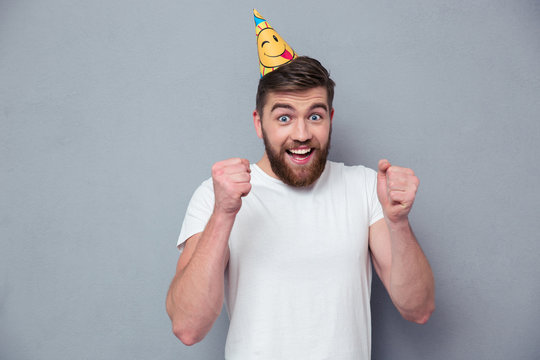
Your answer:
<point x="257" y="123"/>
<point x="331" y="115"/>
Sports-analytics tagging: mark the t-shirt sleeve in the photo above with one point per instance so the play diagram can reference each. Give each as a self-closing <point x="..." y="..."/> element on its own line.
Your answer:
<point x="375" y="208"/>
<point x="198" y="212"/>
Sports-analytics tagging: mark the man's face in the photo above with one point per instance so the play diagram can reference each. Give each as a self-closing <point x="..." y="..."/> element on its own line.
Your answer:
<point x="296" y="128"/>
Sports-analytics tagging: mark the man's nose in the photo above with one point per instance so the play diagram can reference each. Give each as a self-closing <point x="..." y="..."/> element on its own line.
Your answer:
<point x="301" y="131"/>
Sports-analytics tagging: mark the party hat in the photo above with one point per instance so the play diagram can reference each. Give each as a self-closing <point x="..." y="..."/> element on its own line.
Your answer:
<point x="273" y="50"/>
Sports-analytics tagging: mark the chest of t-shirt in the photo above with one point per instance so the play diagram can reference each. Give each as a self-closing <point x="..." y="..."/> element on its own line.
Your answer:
<point x="304" y="233"/>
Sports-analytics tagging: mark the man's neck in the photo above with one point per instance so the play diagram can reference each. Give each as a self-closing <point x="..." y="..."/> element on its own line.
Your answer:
<point x="264" y="165"/>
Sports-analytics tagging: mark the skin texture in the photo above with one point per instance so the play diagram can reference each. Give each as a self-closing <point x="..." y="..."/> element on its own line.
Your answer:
<point x="195" y="297"/>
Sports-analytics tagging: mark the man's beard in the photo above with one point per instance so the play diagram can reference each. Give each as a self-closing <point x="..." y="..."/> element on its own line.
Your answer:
<point x="303" y="175"/>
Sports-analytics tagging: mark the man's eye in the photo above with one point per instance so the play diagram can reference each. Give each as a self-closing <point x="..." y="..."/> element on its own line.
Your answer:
<point x="315" y="117"/>
<point x="283" y="118"/>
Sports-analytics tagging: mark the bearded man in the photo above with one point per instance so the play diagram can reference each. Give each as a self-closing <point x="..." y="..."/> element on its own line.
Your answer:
<point x="288" y="242"/>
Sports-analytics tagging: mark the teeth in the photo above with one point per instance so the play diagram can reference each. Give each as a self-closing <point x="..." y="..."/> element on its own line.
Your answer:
<point x="300" y="151"/>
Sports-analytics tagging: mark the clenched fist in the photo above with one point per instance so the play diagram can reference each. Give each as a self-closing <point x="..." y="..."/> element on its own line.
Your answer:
<point x="396" y="189"/>
<point x="231" y="182"/>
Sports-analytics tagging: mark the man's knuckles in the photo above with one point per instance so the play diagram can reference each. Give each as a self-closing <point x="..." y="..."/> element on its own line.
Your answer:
<point x="235" y="188"/>
<point x="245" y="189"/>
<point x="230" y="162"/>
<point x="402" y="178"/>
<point x="239" y="177"/>
<point x="395" y="170"/>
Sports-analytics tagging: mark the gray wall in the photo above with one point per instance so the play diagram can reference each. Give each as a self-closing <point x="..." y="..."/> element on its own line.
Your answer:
<point x="111" y="113"/>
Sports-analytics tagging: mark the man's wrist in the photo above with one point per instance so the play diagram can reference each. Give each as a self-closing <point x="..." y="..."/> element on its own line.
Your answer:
<point x="223" y="217"/>
<point x="397" y="225"/>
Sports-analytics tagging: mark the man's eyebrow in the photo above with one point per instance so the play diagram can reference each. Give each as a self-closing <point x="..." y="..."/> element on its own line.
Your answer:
<point x="289" y="107"/>
<point x="280" y="105"/>
<point x="319" y="105"/>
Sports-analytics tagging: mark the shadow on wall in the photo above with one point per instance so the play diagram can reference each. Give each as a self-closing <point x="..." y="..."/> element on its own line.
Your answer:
<point x="389" y="328"/>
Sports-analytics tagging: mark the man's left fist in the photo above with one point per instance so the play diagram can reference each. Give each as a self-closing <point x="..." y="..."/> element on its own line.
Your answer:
<point x="396" y="189"/>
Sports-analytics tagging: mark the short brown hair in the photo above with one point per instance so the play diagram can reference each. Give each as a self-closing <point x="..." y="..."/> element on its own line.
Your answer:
<point x="303" y="73"/>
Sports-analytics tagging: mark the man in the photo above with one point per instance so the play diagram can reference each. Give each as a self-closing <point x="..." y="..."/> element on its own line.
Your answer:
<point x="288" y="241"/>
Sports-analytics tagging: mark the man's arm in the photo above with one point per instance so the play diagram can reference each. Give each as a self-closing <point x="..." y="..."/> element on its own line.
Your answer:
<point x="397" y="256"/>
<point x="195" y="297"/>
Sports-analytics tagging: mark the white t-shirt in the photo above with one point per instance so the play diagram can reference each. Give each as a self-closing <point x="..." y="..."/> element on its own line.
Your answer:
<point x="298" y="282"/>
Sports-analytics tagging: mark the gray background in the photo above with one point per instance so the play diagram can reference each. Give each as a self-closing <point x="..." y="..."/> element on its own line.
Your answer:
<point x="111" y="113"/>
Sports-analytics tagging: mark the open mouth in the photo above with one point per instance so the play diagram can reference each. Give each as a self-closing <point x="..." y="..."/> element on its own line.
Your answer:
<point x="300" y="156"/>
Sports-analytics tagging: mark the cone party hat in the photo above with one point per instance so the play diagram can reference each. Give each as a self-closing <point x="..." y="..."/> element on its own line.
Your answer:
<point x="273" y="50"/>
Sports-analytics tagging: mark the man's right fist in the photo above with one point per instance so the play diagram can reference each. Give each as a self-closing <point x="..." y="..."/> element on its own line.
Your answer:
<point x="231" y="181"/>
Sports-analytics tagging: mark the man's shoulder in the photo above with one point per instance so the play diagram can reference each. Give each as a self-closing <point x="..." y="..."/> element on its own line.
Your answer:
<point x="205" y="189"/>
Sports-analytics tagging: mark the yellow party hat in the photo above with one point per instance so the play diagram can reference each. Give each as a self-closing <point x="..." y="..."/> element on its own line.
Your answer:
<point x="273" y="50"/>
